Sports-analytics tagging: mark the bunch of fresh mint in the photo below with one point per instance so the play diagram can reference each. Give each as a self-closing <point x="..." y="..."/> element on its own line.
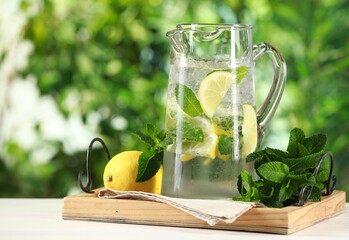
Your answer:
<point x="282" y="174"/>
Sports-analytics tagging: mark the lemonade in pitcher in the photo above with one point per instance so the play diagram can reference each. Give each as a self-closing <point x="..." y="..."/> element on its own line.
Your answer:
<point x="211" y="117"/>
<point x="216" y="131"/>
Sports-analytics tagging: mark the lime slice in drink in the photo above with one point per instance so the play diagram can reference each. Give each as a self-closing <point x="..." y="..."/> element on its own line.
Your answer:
<point x="213" y="89"/>
<point x="249" y="130"/>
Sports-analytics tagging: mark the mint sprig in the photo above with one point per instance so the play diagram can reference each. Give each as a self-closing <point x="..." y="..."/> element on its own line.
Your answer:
<point x="151" y="159"/>
<point x="283" y="173"/>
<point x="157" y="141"/>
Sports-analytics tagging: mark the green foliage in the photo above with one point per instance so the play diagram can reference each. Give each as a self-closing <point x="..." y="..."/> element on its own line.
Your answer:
<point x="283" y="174"/>
<point x="151" y="159"/>
<point x="114" y="56"/>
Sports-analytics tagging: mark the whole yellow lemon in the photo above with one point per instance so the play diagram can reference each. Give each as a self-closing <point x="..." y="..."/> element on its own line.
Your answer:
<point x="121" y="171"/>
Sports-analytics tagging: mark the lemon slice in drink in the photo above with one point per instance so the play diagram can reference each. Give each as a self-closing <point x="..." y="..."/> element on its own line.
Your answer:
<point x="249" y="130"/>
<point x="190" y="149"/>
<point x="213" y="89"/>
<point x="208" y="148"/>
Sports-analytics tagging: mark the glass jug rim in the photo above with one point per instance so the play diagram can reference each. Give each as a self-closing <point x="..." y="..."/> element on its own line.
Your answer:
<point x="194" y="26"/>
<point x="208" y="28"/>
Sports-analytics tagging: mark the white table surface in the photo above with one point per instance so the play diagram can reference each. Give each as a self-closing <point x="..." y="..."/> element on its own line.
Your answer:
<point x="42" y="219"/>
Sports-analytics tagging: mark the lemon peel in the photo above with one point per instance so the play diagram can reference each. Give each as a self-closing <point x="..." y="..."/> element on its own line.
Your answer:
<point x="249" y="130"/>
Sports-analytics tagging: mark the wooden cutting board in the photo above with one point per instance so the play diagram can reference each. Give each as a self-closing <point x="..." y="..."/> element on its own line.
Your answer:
<point x="268" y="220"/>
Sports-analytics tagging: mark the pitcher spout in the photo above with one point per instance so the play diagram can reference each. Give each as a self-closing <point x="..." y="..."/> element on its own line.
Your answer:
<point x="175" y="37"/>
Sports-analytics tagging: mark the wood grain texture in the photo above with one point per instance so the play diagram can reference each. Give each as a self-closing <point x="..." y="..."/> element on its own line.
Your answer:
<point x="269" y="220"/>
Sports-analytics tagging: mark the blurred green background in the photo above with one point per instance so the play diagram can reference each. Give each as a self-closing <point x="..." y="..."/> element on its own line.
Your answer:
<point x="74" y="70"/>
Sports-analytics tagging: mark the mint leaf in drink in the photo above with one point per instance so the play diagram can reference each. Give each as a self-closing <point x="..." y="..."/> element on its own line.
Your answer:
<point x="225" y="144"/>
<point x="284" y="173"/>
<point x="188" y="101"/>
<point x="241" y="72"/>
<point x="225" y="123"/>
<point x="191" y="132"/>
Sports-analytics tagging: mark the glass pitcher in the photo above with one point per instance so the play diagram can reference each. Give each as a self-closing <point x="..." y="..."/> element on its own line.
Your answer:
<point x="210" y="113"/>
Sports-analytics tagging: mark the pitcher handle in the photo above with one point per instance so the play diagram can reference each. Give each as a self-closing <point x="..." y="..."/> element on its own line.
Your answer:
<point x="270" y="104"/>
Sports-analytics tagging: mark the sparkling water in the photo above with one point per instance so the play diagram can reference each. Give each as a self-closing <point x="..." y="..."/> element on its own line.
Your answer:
<point x="198" y="169"/>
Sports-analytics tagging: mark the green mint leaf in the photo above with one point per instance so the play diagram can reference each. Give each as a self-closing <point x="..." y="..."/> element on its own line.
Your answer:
<point x="240" y="184"/>
<point x="273" y="201"/>
<point x="319" y="185"/>
<point x="300" y="177"/>
<point x="273" y="171"/>
<point x="315" y="195"/>
<point x="265" y="194"/>
<point x="286" y="191"/>
<point x="265" y="159"/>
<point x="315" y="143"/>
<point x="302" y="150"/>
<point x="167" y="140"/>
<point x="225" y="122"/>
<point x="151" y="136"/>
<point x="251" y="194"/>
<point x="322" y="176"/>
<point x="145" y="138"/>
<point x="300" y="165"/>
<point x="149" y="163"/>
<point x="255" y="156"/>
<point x="188" y="101"/>
<point x="296" y="136"/>
<point x="191" y="132"/>
<point x="311" y="180"/>
<point x="153" y="133"/>
<point x="276" y="152"/>
<point x="225" y="144"/>
<point x="241" y="72"/>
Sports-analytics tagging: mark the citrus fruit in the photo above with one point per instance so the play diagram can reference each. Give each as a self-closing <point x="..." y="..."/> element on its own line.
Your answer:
<point x="191" y="149"/>
<point x="249" y="130"/>
<point x="186" y="157"/>
<point x="207" y="148"/>
<point x="121" y="171"/>
<point x="213" y="89"/>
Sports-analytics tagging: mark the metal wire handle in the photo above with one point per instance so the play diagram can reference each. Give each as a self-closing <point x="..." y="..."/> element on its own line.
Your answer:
<point x="306" y="191"/>
<point x="87" y="188"/>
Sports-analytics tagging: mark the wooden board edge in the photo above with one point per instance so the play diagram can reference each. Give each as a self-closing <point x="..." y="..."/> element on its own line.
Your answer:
<point x="280" y="225"/>
<point x="264" y="229"/>
<point x="316" y="212"/>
